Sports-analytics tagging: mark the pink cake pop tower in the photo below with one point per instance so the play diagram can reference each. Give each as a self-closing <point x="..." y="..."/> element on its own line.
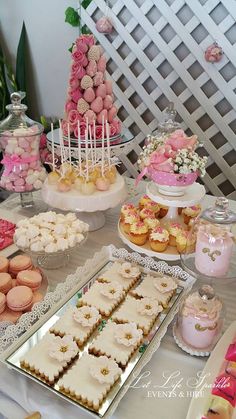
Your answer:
<point x="90" y="95"/>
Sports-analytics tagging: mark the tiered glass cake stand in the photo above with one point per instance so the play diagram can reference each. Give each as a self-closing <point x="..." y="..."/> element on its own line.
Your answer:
<point x="193" y="195"/>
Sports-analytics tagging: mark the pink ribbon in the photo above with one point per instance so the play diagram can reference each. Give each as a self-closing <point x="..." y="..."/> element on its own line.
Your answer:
<point x="13" y="160"/>
<point x="141" y="175"/>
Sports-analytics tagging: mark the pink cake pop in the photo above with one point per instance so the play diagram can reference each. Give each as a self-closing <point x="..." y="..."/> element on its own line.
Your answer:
<point x="97" y="105"/>
<point x="91" y="68"/>
<point x="101" y="66"/>
<point x="98" y="78"/>
<point x="90" y="116"/>
<point x="108" y="84"/>
<point x="89" y="95"/>
<point x="101" y="91"/>
<point x="108" y="102"/>
<point x="112" y="113"/>
<point x="102" y="116"/>
<point x="102" y="184"/>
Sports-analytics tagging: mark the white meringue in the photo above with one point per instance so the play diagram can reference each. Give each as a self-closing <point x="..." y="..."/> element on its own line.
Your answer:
<point x="23" y="242"/>
<point x="51" y="248"/>
<point x="32" y="232"/>
<point x="36" y="247"/>
<point x="62" y="244"/>
<point x="60" y="229"/>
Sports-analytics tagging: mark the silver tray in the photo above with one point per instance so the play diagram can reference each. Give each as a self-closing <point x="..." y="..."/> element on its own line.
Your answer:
<point x="142" y="355"/>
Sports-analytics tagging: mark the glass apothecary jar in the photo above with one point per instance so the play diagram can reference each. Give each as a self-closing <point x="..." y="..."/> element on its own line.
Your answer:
<point x="19" y="142"/>
<point x="213" y="234"/>
<point x="200" y="319"/>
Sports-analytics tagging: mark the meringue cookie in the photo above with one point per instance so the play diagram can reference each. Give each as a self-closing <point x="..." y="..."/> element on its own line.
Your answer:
<point x="36" y="247"/>
<point x="23" y="242"/>
<point x="71" y="217"/>
<point x="51" y="248"/>
<point x="72" y="240"/>
<point x="60" y="229"/>
<point x="62" y="244"/>
<point x="32" y="232"/>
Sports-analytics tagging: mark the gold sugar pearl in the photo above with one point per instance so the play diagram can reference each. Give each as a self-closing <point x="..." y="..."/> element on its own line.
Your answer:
<point x="63" y="349"/>
<point x="87" y="316"/>
<point x="104" y="371"/>
<point x="164" y="284"/>
<point x="128" y="336"/>
<point x="148" y="307"/>
<point x="112" y="291"/>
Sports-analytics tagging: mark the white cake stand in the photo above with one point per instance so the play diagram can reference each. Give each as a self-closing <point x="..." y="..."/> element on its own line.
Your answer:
<point x="90" y="208"/>
<point x="193" y="195"/>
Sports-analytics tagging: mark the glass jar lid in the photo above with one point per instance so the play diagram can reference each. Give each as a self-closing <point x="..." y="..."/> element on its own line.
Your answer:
<point x="17" y="122"/>
<point x="168" y="124"/>
<point x="220" y="213"/>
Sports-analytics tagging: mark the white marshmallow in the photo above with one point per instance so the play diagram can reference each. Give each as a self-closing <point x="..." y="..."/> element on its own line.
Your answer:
<point x="32" y="232"/>
<point x="62" y="244"/>
<point x="36" y="247"/>
<point x="23" y="242"/>
<point x="51" y="248"/>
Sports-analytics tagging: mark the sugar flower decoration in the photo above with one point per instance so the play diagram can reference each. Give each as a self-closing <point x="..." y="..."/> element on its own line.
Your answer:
<point x="111" y="291"/>
<point x="86" y="316"/>
<point x="128" y="334"/>
<point x="128" y="271"/>
<point x="165" y="284"/>
<point x="63" y="349"/>
<point x="105" y="370"/>
<point x="148" y="306"/>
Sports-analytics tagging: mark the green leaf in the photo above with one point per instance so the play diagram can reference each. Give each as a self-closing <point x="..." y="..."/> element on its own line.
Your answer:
<point x="86" y="3"/>
<point x="70" y="49"/>
<point x="85" y="30"/>
<point x="72" y="17"/>
<point x="20" y="61"/>
<point x="79" y="294"/>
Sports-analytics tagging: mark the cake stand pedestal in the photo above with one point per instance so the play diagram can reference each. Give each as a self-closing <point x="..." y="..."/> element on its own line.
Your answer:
<point x="193" y="195"/>
<point x="90" y="208"/>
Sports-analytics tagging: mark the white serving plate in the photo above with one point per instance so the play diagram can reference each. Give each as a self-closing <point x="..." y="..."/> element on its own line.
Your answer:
<point x="210" y="372"/>
<point x="170" y="254"/>
<point x="193" y="195"/>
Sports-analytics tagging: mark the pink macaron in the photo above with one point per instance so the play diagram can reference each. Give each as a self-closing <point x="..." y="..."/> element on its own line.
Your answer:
<point x="5" y="282"/>
<point x="10" y="316"/>
<point x="2" y="302"/>
<point x="4" y="263"/>
<point x="31" y="279"/>
<point x="19" y="298"/>
<point x="37" y="297"/>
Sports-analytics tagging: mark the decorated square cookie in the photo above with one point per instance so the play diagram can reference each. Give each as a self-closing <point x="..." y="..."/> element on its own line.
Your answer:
<point x="78" y="322"/>
<point x="50" y="357"/>
<point x="105" y="297"/>
<point x="125" y="273"/>
<point x="161" y="287"/>
<point x="117" y="341"/>
<point x="90" y="379"/>
<point x="143" y="312"/>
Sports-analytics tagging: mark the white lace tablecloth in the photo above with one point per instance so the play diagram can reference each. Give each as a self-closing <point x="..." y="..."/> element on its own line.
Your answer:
<point x="162" y="390"/>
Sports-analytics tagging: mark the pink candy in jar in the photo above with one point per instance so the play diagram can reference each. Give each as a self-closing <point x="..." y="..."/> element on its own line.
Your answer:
<point x="19" y="139"/>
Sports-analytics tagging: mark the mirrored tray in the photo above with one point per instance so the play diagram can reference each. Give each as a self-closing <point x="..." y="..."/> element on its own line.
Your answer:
<point x="81" y="282"/>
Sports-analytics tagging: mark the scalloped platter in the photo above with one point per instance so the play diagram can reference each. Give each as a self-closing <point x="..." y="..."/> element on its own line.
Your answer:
<point x="68" y="293"/>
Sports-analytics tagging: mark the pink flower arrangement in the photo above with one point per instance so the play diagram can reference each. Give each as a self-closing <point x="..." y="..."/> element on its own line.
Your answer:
<point x="179" y="140"/>
<point x="74" y="117"/>
<point x="84" y="41"/>
<point x="213" y="53"/>
<point x="77" y="71"/>
<point x="80" y="58"/>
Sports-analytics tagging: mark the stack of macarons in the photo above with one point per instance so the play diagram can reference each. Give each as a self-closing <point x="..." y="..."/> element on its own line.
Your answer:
<point x="19" y="285"/>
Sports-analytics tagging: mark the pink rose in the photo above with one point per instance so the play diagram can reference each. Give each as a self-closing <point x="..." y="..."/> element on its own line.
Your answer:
<point x="88" y="39"/>
<point x="73" y="117"/>
<point x="77" y="71"/>
<point x="66" y="127"/>
<point x="74" y="83"/>
<point x="82" y="126"/>
<point x="98" y="132"/>
<point x="80" y="58"/>
<point x="115" y="126"/>
<point x="70" y="105"/>
<point x="179" y="140"/>
<point x="80" y="45"/>
<point x="43" y="141"/>
<point x="76" y="95"/>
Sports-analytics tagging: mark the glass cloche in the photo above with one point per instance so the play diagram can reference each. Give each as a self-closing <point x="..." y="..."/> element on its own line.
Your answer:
<point x="200" y="319"/>
<point x="19" y="142"/>
<point x="168" y="124"/>
<point x="214" y="253"/>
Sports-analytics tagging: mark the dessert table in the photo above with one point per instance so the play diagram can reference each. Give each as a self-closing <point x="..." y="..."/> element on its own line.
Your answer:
<point x="166" y="383"/>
